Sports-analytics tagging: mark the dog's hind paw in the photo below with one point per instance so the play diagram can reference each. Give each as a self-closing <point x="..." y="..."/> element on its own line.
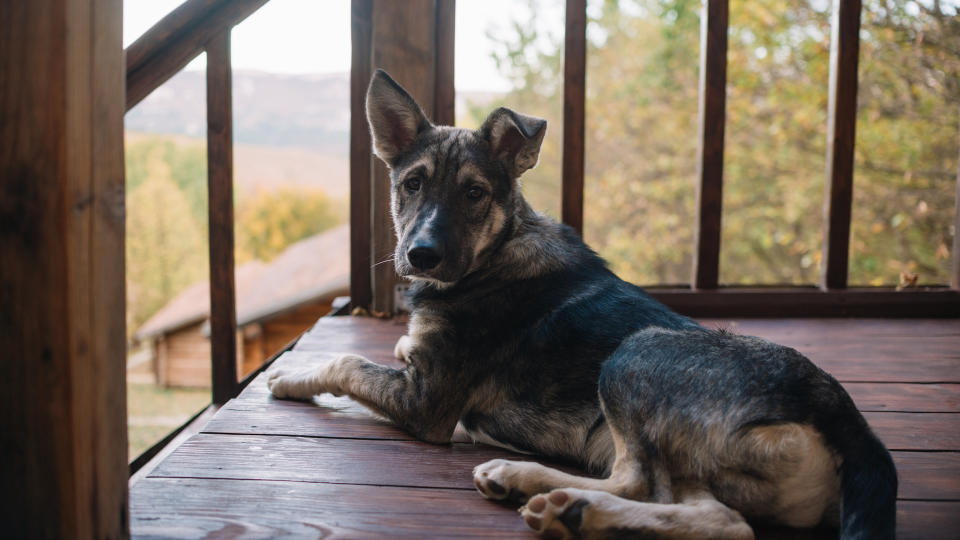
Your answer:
<point x="556" y="515"/>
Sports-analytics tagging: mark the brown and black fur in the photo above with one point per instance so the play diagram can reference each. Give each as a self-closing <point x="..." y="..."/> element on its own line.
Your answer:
<point x="521" y="334"/>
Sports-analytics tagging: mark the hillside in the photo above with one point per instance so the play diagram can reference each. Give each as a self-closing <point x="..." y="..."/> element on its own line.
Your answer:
<point x="311" y="111"/>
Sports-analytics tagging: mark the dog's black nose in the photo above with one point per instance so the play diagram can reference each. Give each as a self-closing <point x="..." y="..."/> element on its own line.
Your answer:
<point x="423" y="257"/>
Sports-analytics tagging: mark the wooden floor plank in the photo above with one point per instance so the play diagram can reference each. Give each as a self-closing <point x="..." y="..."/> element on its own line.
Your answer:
<point x="196" y="508"/>
<point x="204" y="508"/>
<point x="338" y="461"/>
<point x="916" y="431"/>
<point x="905" y="397"/>
<point x="265" y="467"/>
<point x="928" y="475"/>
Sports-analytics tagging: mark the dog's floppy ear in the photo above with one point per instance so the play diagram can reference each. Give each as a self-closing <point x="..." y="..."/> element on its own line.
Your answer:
<point x="395" y="118"/>
<point x="515" y="139"/>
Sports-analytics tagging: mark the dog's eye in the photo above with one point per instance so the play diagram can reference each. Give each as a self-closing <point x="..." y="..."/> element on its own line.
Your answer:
<point x="475" y="193"/>
<point x="413" y="184"/>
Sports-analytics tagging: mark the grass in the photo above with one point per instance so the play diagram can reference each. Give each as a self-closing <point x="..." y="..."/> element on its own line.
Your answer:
<point x="154" y="411"/>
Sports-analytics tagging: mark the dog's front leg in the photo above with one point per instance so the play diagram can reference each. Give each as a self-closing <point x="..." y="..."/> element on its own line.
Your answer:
<point x="402" y="395"/>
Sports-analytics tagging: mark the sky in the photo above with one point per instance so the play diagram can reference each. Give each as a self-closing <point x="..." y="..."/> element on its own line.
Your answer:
<point x="313" y="36"/>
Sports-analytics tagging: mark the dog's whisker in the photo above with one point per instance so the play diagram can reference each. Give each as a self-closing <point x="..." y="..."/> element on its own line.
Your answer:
<point x="385" y="261"/>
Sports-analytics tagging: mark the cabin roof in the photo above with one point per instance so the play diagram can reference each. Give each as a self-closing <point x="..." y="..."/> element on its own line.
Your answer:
<point x="315" y="267"/>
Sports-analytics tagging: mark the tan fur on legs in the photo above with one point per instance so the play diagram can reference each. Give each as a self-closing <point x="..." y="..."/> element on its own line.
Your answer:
<point x="575" y="513"/>
<point x="402" y="349"/>
<point x="519" y="480"/>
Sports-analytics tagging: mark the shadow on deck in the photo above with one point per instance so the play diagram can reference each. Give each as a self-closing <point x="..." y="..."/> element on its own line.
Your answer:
<point x="263" y="468"/>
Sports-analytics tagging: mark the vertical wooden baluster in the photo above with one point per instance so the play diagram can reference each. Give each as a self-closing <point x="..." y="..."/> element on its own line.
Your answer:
<point x="955" y="281"/>
<point x="574" y="96"/>
<point x="444" y="93"/>
<point x="223" y="318"/>
<point x="361" y="27"/>
<point x="841" y="134"/>
<point x="712" y="119"/>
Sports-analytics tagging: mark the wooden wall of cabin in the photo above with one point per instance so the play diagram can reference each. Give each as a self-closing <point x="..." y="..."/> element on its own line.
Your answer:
<point x="182" y="357"/>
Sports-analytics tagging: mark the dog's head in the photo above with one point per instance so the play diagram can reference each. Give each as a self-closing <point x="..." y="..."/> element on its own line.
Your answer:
<point x="454" y="191"/>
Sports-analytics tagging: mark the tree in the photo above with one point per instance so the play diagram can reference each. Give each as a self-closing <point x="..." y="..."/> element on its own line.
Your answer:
<point x="268" y="222"/>
<point x="642" y="75"/>
<point x="166" y="250"/>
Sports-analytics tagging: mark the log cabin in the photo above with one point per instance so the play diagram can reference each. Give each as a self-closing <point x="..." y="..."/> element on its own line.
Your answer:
<point x="268" y="468"/>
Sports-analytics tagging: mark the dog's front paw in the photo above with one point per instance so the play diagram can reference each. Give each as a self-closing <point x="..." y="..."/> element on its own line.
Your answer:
<point x="501" y="479"/>
<point x="284" y="384"/>
<point x="402" y="350"/>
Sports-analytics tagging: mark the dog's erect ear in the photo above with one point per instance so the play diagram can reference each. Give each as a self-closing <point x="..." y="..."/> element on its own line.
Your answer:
<point x="515" y="138"/>
<point x="395" y="118"/>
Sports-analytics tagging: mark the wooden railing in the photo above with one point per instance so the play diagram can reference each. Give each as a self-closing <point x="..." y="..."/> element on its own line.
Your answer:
<point x="205" y="25"/>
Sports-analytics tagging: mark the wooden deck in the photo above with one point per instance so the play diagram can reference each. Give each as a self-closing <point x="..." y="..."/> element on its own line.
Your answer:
<point x="264" y="468"/>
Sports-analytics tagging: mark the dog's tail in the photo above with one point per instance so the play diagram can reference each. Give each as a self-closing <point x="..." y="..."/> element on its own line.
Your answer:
<point x="868" y="484"/>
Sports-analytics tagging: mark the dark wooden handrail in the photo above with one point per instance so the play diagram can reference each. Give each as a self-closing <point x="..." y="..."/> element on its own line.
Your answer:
<point x="178" y="38"/>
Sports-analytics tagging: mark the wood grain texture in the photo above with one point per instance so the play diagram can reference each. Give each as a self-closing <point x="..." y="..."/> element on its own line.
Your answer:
<point x="905" y="397"/>
<point x="916" y="431"/>
<point x="308" y="459"/>
<point x="928" y="475"/>
<point x="361" y="27"/>
<point x="193" y="508"/>
<point x="223" y="303"/>
<point x="403" y="45"/>
<point x="712" y="123"/>
<point x="444" y="92"/>
<point x="178" y="38"/>
<point x="62" y="326"/>
<point x="955" y="271"/>
<point x="574" y="114"/>
<point x="351" y="462"/>
<point x="841" y="136"/>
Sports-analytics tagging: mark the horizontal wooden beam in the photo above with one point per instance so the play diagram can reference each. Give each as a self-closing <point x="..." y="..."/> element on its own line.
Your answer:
<point x="811" y="302"/>
<point x="178" y="38"/>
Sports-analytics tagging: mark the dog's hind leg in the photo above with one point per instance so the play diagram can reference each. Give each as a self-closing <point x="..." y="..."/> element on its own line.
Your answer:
<point x="575" y="513"/>
<point x="630" y="476"/>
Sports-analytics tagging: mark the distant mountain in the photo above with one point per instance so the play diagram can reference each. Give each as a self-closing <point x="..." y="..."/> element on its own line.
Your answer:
<point x="309" y="111"/>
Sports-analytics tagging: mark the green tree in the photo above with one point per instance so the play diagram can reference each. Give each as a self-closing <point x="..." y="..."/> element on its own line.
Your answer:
<point x="642" y="75"/>
<point x="268" y="222"/>
<point x="166" y="250"/>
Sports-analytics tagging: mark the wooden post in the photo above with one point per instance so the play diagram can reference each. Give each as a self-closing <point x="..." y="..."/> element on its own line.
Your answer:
<point x="444" y="92"/>
<point x="361" y="23"/>
<point x="223" y="314"/>
<point x="955" y="279"/>
<point x="403" y="44"/>
<point x="62" y="320"/>
<point x="712" y="119"/>
<point x="574" y="96"/>
<point x="841" y="135"/>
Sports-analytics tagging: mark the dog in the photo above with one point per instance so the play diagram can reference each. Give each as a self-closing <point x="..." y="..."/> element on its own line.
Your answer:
<point x="521" y="334"/>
